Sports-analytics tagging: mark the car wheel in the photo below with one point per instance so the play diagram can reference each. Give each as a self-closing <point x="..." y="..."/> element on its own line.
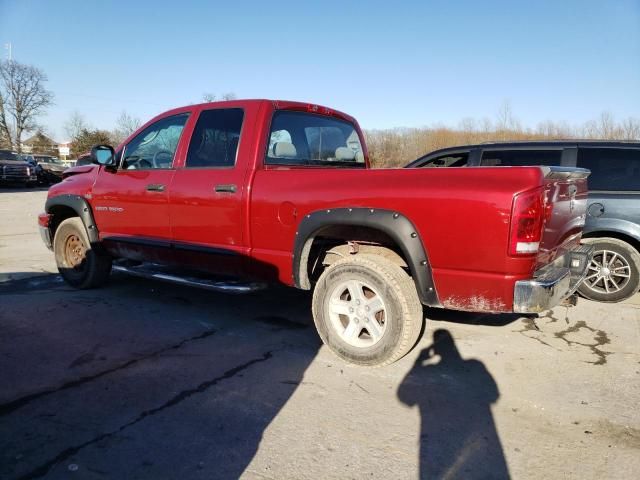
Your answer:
<point x="79" y="264"/>
<point x="613" y="274"/>
<point x="367" y="311"/>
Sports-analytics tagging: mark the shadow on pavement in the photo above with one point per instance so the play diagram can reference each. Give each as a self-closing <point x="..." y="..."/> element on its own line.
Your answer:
<point x="471" y="318"/>
<point x="192" y="403"/>
<point x="458" y="435"/>
<point x="22" y="189"/>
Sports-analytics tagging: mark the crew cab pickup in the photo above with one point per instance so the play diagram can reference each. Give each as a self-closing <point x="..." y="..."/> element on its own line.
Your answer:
<point x="234" y="195"/>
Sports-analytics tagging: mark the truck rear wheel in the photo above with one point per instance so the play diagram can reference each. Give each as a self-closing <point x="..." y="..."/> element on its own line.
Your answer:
<point x="614" y="273"/>
<point x="79" y="265"/>
<point x="367" y="310"/>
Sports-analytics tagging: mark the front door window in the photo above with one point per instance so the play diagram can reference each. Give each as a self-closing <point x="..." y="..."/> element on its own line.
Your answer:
<point x="155" y="146"/>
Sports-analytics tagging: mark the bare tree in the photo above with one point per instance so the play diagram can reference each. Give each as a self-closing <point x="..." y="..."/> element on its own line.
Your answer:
<point x="212" y="97"/>
<point x="23" y="98"/>
<point x="630" y="129"/>
<point x="396" y="147"/>
<point x="75" y="125"/>
<point x="125" y="126"/>
<point x="607" y="125"/>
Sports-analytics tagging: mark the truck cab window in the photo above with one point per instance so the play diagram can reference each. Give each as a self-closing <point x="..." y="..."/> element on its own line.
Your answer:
<point x="299" y="138"/>
<point x="215" y="140"/>
<point x="155" y="146"/>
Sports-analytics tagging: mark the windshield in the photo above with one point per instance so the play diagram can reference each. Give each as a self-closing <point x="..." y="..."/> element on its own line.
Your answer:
<point x="7" y="155"/>
<point x="44" y="159"/>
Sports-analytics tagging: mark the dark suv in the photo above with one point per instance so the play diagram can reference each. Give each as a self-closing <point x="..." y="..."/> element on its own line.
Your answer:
<point x="613" y="212"/>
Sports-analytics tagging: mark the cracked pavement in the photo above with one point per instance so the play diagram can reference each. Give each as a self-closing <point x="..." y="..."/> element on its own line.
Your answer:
<point x="142" y="379"/>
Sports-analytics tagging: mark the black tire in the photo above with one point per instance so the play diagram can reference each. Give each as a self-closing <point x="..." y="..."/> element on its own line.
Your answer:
<point x="80" y="265"/>
<point x="612" y="288"/>
<point x="398" y="324"/>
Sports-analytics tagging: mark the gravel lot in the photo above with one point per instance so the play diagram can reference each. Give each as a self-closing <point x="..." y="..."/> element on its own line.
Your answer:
<point x="148" y="380"/>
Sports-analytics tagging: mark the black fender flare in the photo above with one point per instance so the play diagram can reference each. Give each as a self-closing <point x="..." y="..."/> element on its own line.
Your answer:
<point x="81" y="206"/>
<point x="394" y="224"/>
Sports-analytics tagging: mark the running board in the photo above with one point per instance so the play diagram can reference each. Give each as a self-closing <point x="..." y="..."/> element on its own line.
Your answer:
<point x="159" y="272"/>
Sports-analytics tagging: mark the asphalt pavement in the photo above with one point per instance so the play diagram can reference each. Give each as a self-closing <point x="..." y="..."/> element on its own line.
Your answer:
<point x="147" y="380"/>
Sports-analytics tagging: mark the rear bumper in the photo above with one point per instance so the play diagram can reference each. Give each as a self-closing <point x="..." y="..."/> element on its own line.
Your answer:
<point x="553" y="283"/>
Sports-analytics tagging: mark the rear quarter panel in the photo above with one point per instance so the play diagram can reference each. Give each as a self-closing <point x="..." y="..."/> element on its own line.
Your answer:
<point x="461" y="214"/>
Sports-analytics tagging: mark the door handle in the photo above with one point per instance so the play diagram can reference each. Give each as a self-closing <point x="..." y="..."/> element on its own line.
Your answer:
<point x="228" y="188"/>
<point x="155" y="187"/>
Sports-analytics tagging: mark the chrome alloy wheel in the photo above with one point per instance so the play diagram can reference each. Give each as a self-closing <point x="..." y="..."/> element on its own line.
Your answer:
<point x="608" y="272"/>
<point x="357" y="313"/>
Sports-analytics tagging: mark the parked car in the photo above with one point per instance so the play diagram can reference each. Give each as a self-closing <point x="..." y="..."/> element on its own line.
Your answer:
<point x="263" y="191"/>
<point x="613" y="213"/>
<point x="52" y="167"/>
<point x="84" y="159"/>
<point x="42" y="176"/>
<point x="13" y="170"/>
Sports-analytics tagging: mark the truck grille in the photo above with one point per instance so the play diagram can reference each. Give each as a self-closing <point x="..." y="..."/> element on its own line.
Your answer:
<point x="14" y="172"/>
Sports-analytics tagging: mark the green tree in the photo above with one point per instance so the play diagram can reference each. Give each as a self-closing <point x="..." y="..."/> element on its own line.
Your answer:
<point x="86" y="139"/>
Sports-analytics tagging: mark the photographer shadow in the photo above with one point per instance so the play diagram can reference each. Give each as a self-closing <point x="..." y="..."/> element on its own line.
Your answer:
<point x="458" y="435"/>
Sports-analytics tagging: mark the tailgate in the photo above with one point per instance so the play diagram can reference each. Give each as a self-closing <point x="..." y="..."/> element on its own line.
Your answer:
<point x="566" y="196"/>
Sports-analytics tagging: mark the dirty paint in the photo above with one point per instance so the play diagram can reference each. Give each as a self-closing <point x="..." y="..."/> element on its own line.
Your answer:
<point x="475" y="303"/>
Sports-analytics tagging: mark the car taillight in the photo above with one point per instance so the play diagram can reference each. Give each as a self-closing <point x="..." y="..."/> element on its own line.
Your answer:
<point x="527" y="221"/>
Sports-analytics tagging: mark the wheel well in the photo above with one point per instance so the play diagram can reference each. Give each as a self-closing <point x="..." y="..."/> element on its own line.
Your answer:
<point x="59" y="214"/>
<point x="338" y="241"/>
<point x="634" y="242"/>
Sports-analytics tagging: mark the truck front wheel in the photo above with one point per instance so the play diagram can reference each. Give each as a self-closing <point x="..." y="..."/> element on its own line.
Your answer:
<point x="367" y="310"/>
<point x="79" y="264"/>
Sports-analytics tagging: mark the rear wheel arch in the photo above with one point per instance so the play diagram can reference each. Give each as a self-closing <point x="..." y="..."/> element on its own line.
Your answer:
<point x="378" y="228"/>
<point x="596" y="235"/>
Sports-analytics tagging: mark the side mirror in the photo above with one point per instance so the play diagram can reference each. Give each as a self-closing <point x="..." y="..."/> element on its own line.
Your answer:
<point x="103" y="155"/>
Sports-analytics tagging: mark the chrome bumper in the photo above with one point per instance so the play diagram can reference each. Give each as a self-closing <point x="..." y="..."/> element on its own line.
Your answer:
<point x="553" y="283"/>
<point x="45" y="234"/>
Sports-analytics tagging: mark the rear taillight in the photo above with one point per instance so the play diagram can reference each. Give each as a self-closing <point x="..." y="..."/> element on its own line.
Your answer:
<point x="527" y="221"/>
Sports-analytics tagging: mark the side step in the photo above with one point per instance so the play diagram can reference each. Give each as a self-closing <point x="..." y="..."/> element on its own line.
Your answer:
<point x="161" y="272"/>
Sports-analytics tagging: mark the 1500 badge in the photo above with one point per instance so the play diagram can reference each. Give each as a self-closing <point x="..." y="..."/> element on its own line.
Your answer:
<point x="110" y="209"/>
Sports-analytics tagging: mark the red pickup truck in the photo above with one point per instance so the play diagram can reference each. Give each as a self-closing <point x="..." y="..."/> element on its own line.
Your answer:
<point x="234" y="195"/>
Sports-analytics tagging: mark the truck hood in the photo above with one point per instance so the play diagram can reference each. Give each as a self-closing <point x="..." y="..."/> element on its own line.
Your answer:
<point x="78" y="170"/>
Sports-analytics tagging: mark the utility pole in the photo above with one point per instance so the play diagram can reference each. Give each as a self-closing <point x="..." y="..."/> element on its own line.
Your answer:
<point x="7" y="46"/>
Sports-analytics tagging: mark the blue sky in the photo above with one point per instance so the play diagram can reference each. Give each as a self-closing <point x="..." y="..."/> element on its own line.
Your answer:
<point x="388" y="63"/>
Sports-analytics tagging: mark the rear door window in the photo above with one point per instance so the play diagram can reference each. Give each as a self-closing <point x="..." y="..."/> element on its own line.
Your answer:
<point x="614" y="169"/>
<point x="215" y="140"/>
<point x="521" y="158"/>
